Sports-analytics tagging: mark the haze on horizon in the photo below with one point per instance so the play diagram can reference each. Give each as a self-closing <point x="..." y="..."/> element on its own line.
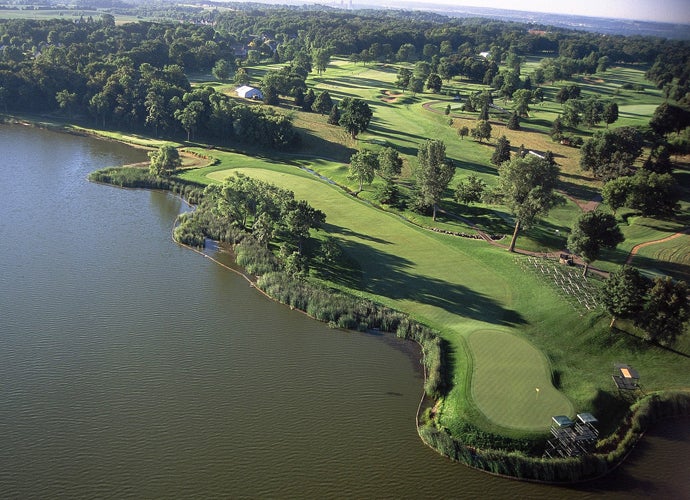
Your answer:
<point x="670" y="11"/>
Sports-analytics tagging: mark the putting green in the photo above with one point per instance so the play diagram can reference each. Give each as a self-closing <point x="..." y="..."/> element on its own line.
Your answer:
<point x="511" y="382"/>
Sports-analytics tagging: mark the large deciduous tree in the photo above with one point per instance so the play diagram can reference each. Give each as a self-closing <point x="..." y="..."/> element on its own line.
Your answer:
<point x="482" y="131"/>
<point x="434" y="83"/>
<point x="321" y="57"/>
<point x="470" y="190"/>
<point x="651" y="193"/>
<point x="502" y="151"/>
<point x="623" y="293"/>
<point x="592" y="232"/>
<point x="222" y="69"/>
<point x="433" y="173"/>
<point x="363" y="166"/>
<point x="390" y="163"/>
<point x="355" y="116"/>
<point x="669" y="118"/>
<point x="526" y="185"/>
<point x="323" y="103"/>
<point x="611" y="153"/>
<point x="165" y="160"/>
<point x="666" y="309"/>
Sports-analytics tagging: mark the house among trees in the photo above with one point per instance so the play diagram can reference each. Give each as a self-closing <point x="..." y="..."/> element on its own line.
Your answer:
<point x="248" y="92"/>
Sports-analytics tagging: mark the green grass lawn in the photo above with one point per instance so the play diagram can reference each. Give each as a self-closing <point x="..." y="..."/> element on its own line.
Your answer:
<point x="461" y="287"/>
<point x="507" y="381"/>
<point x="509" y="333"/>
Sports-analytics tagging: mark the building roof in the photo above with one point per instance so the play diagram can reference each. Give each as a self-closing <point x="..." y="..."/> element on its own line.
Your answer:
<point x="562" y="421"/>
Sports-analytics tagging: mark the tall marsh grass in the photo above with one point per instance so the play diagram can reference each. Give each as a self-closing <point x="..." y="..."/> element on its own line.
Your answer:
<point x="610" y="452"/>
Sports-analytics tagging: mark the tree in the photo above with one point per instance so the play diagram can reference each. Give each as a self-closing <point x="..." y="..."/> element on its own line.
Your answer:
<point x="611" y="153"/>
<point x="241" y="77"/>
<point x="665" y="311"/>
<point x="156" y="113"/>
<point x="592" y="232"/>
<point x="323" y="103"/>
<point x="502" y="151"/>
<point x="320" y="58"/>
<point x="513" y="122"/>
<point x="66" y="100"/>
<point x="650" y="193"/>
<point x="309" y="99"/>
<point x="403" y="79"/>
<point x="355" y="116"/>
<point x="526" y="186"/>
<point x="222" y="69"/>
<point x="659" y="160"/>
<point x="334" y="115"/>
<point x="482" y="131"/>
<point x="623" y="293"/>
<point x="271" y="95"/>
<point x="390" y="163"/>
<point x="165" y="160"/>
<point x="434" y="83"/>
<point x="415" y="86"/>
<point x="299" y="217"/>
<point x="99" y="105"/>
<point x="610" y="113"/>
<point x="522" y="99"/>
<point x="572" y="113"/>
<point x="299" y="97"/>
<point x="470" y="190"/>
<point x="463" y="132"/>
<point x="592" y="111"/>
<point x="668" y="118"/>
<point x="363" y="166"/>
<point x="653" y="194"/>
<point x="568" y="92"/>
<point x="484" y="112"/>
<point x="556" y="131"/>
<point x="615" y="192"/>
<point x="189" y="116"/>
<point x="433" y="173"/>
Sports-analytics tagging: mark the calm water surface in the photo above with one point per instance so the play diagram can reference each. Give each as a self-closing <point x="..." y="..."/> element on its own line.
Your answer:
<point x="130" y="367"/>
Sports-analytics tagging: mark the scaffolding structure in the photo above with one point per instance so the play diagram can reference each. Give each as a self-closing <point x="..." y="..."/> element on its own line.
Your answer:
<point x="572" y="438"/>
<point x="625" y="377"/>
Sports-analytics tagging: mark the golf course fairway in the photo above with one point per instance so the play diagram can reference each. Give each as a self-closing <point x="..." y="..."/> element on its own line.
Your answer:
<point x="443" y="281"/>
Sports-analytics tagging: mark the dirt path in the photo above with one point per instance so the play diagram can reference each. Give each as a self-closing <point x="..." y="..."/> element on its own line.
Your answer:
<point x="636" y="248"/>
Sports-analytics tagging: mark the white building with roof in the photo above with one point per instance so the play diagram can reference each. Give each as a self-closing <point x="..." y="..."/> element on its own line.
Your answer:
<point x="248" y="92"/>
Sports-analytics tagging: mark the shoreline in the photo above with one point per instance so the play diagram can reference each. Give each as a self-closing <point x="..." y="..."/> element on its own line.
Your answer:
<point x="63" y="129"/>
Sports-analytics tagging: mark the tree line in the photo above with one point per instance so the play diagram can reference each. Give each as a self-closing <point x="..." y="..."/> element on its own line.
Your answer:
<point x="131" y="76"/>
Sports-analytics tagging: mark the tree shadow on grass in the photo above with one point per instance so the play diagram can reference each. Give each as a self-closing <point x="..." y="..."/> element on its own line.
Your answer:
<point x="676" y="270"/>
<point x="394" y="278"/>
<point x="334" y="229"/>
<point x="336" y="151"/>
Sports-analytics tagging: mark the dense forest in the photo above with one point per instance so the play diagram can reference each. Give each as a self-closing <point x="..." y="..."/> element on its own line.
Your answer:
<point x="135" y="75"/>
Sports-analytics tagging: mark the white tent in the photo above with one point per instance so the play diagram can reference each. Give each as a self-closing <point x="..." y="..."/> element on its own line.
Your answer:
<point x="249" y="92"/>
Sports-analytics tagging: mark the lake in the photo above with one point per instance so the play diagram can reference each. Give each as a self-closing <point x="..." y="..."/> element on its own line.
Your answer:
<point x="132" y="367"/>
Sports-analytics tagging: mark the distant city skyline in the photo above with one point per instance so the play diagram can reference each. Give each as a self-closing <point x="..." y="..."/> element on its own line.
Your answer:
<point x="671" y="11"/>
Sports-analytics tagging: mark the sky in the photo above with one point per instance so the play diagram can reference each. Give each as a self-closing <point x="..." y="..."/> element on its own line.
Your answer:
<point x="673" y="11"/>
